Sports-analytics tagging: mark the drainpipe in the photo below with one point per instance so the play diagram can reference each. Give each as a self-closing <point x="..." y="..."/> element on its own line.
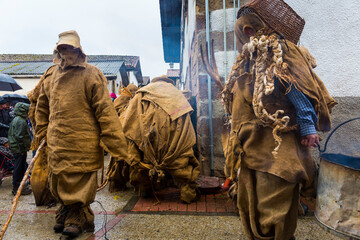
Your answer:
<point x="212" y="173"/>
<point x="225" y="48"/>
<point x="234" y="30"/>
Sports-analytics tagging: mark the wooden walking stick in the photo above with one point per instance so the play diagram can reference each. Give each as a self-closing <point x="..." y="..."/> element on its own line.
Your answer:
<point x="16" y="198"/>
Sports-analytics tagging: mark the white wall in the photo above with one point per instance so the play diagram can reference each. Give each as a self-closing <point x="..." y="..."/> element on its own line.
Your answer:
<point x="118" y="82"/>
<point x="332" y="35"/>
<point x="217" y="20"/>
<point x="217" y="25"/>
<point x="132" y="78"/>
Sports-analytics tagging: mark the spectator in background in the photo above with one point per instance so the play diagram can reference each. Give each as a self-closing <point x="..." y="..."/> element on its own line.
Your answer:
<point x="113" y="96"/>
<point x="6" y="117"/>
<point x="2" y="102"/>
<point x="7" y="160"/>
<point x="19" y="142"/>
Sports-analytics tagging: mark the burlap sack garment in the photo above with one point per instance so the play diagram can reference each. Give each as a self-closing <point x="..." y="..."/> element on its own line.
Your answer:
<point x="267" y="188"/>
<point x="158" y="126"/>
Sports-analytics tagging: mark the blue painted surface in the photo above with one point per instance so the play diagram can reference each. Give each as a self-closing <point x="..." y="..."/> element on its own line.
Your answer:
<point x="342" y="160"/>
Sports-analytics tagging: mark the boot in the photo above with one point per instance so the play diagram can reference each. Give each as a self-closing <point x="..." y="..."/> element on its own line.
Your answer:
<point x="60" y="217"/>
<point x="75" y="221"/>
<point x="89" y="225"/>
<point x="72" y="231"/>
<point x="25" y="191"/>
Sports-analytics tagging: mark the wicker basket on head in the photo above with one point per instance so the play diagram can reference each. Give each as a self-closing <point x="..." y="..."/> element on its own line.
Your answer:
<point x="278" y="15"/>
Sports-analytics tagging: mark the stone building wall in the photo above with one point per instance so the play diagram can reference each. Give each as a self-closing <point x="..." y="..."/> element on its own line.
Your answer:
<point x="335" y="56"/>
<point x="195" y="77"/>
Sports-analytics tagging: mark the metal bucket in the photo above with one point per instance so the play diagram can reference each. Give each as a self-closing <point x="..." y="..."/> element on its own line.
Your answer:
<point x="338" y="193"/>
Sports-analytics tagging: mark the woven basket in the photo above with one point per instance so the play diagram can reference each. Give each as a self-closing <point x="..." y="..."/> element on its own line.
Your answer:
<point x="278" y="15"/>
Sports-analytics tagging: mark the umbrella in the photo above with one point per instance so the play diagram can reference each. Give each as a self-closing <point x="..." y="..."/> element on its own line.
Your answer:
<point x="16" y="98"/>
<point x="7" y="83"/>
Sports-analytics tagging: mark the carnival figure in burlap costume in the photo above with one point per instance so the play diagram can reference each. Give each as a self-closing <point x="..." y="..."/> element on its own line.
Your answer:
<point x="160" y="138"/>
<point x="118" y="170"/>
<point x="76" y="116"/>
<point x="121" y="103"/>
<point x="276" y="103"/>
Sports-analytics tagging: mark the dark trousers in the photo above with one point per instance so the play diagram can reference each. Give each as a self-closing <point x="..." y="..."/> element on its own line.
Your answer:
<point x="20" y="167"/>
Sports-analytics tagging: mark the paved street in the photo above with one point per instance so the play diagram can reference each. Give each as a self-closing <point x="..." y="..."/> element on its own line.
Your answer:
<point x="125" y="219"/>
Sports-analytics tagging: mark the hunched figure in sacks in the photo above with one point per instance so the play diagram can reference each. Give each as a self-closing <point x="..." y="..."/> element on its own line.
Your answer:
<point x="161" y="137"/>
<point x="277" y="103"/>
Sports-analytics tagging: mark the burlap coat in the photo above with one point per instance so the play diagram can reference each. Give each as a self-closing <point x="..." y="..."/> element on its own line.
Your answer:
<point x="250" y="141"/>
<point x="75" y="114"/>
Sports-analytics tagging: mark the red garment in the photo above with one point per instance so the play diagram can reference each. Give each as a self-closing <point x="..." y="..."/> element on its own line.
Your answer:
<point x="113" y="95"/>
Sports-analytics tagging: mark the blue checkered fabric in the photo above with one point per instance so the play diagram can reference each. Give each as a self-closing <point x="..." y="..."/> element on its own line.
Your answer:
<point x="305" y="113"/>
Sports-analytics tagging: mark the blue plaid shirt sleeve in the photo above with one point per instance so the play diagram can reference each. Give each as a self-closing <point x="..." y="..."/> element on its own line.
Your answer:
<point x="305" y="113"/>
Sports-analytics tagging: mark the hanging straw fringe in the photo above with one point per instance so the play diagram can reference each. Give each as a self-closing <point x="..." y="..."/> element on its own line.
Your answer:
<point x="109" y="171"/>
<point x="266" y="70"/>
<point x="268" y="64"/>
<point x="125" y="91"/>
<point x="16" y="198"/>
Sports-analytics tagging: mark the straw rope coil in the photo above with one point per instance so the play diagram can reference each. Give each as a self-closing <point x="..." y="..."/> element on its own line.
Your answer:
<point x="267" y="65"/>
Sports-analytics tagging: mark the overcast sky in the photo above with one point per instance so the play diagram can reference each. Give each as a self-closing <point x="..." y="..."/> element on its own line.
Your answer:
<point x="106" y="27"/>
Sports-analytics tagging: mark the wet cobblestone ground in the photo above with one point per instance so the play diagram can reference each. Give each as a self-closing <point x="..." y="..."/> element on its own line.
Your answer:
<point x="33" y="223"/>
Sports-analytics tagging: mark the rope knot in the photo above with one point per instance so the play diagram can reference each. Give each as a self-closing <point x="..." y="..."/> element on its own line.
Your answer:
<point x="156" y="174"/>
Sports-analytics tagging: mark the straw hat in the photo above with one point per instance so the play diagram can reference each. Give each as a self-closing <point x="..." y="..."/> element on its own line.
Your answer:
<point x="69" y="38"/>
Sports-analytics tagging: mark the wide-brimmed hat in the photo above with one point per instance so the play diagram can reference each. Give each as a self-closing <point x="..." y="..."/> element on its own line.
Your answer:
<point x="278" y="15"/>
<point x="69" y="38"/>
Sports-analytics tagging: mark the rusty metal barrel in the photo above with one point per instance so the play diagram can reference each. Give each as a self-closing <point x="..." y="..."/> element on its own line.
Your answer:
<point x="338" y="192"/>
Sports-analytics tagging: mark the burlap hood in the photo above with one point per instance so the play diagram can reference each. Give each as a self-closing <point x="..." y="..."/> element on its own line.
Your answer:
<point x="162" y="92"/>
<point x="69" y="38"/>
<point x="251" y="20"/>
